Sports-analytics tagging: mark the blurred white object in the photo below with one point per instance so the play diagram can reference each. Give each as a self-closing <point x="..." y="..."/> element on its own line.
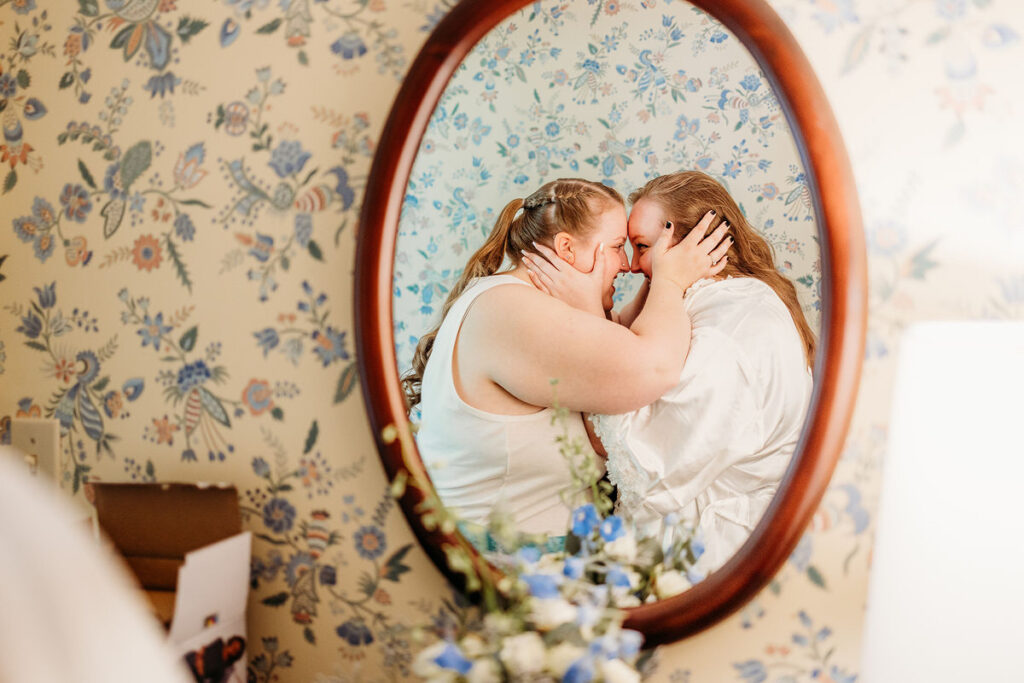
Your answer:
<point x="68" y="611"/>
<point x="947" y="586"/>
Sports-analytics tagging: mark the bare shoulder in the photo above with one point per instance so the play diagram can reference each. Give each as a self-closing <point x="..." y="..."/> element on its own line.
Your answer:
<point x="509" y="306"/>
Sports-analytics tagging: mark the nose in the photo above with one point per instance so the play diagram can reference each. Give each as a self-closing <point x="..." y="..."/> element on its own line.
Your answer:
<point x="635" y="263"/>
<point x="623" y="263"/>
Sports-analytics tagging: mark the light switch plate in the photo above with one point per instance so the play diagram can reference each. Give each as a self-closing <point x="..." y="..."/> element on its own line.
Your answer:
<point x="39" y="440"/>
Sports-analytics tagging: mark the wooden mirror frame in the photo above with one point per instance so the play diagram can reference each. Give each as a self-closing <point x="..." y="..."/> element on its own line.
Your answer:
<point x="844" y="305"/>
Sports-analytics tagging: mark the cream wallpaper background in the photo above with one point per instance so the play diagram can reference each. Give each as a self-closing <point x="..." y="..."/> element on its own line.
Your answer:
<point x="181" y="182"/>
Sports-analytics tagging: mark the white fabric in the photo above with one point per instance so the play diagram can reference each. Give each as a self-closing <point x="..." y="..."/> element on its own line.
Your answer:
<point x="714" y="447"/>
<point x="69" y="612"/>
<point x="478" y="459"/>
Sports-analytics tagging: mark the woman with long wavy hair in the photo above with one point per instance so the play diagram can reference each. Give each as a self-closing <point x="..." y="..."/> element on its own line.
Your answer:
<point x="483" y="376"/>
<point x="714" y="447"/>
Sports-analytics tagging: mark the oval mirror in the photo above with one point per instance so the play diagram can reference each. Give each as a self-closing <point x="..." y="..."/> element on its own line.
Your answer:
<point x="506" y="96"/>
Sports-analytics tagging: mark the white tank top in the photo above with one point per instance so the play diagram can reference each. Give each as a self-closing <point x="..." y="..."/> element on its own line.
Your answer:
<point x="477" y="459"/>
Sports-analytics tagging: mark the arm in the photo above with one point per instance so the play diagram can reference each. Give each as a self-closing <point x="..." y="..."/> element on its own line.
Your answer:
<point x="529" y="338"/>
<point x="631" y="310"/>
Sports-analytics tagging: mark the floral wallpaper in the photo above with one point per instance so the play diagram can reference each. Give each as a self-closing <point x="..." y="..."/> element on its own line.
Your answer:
<point x="179" y="186"/>
<point x="608" y="92"/>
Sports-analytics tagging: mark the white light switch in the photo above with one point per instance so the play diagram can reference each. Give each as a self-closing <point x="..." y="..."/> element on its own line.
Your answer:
<point x="39" y="440"/>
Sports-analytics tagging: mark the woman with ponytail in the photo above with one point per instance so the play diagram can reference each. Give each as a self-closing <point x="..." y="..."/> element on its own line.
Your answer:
<point x="483" y="378"/>
<point x="714" y="447"/>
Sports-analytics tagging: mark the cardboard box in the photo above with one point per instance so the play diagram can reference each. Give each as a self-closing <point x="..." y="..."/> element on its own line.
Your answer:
<point x="185" y="545"/>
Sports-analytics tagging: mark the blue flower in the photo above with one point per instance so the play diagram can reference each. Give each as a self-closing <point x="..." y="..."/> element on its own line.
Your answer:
<point x="460" y="120"/>
<point x="278" y="515"/>
<point x="580" y="671"/>
<point x="666" y="20"/>
<point x="355" y="632"/>
<point x="529" y="554"/>
<point x="617" y="577"/>
<point x="370" y="542"/>
<point x="328" y="575"/>
<point x="162" y="84"/>
<point x="303" y="229"/>
<point x="8" y="86"/>
<point x="584" y="520"/>
<point x="184" y="228"/>
<point x="43" y="210"/>
<point x="349" y="46"/>
<point x="26" y="228"/>
<point x="260" y="467"/>
<point x="192" y="375"/>
<point x="91" y="366"/>
<point x="451" y="658"/>
<point x="574" y="567"/>
<point x="299" y="564"/>
<point x="47" y="295"/>
<point x="153" y="329"/>
<point x="731" y="169"/>
<point x="630" y="642"/>
<point x="31" y="326"/>
<point x="342" y="188"/>
<point x="267" y="339"/>
<point x="25" y="6"/>
<point x="133" y="387"/>
<point x="752" y="671"/>
<point x="719" y="37"/>
<point x="686" y="127"/>
<point x="513" y="140"/>
<point x="112" y="182"/>
<point x="612" y="528"/>
<point x="591" y="65"/>
<point x="541" y="585"/>
<point x="43" y="247"/>
<point x="76" y="202"/>
<point x="552" y="129"/>
<point x="750" y="82"/>
<point x="288" y="158"/>
<point x="696" y="548"/>
<point x="329" y="345"/>
<point x="229" y="31"/>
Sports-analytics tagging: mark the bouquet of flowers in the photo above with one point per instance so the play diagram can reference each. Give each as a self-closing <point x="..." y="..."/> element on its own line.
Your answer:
<point x="557" y="616"/>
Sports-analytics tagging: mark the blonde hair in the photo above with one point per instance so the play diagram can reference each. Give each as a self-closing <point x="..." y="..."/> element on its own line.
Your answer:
<point x="688" y="195"/>
<point x="563" y="205"/>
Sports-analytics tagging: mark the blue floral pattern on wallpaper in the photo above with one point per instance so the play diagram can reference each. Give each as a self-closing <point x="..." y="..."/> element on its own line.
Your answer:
<point x="179" y="187"/>
<point x="596" y="91"/>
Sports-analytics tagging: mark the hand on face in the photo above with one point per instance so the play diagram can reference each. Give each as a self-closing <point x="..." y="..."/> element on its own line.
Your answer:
<point x="693" y="258"/>
<point x="582" y="272"/>
<point x="556" y="277"/>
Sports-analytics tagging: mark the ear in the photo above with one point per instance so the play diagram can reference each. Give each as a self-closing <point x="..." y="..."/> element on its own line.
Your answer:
<point x="565" y="248"/>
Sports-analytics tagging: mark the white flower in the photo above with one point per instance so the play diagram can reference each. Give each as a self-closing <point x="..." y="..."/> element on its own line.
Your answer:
<point x="425" y="666"/>
<point x="548" y="613"/>
<point x="622" y="549"/>
<point x="500" y="623"/>
<point x="472" y="646"/>
<point x="523" y="654"/>
<point x="561" y="657"/>
<point x="484" y="671"/>
<point x="669" y="583"/>
<point x="617" y="671"/>
<point x="626" y="599"/>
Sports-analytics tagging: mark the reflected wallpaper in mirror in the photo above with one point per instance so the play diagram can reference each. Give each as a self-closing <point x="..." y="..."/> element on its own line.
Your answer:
<point x="618" y="96"/>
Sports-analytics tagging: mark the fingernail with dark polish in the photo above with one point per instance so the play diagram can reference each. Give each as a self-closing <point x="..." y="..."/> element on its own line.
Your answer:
<point x="713" y="212"/>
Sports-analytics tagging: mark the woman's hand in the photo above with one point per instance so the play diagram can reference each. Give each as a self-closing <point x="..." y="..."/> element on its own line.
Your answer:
<point x="695" y="257"/>
<point x="553" y="276"/>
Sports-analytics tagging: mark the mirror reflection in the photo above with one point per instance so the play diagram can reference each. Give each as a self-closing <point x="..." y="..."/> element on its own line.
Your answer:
<point x="608" y="222"/>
